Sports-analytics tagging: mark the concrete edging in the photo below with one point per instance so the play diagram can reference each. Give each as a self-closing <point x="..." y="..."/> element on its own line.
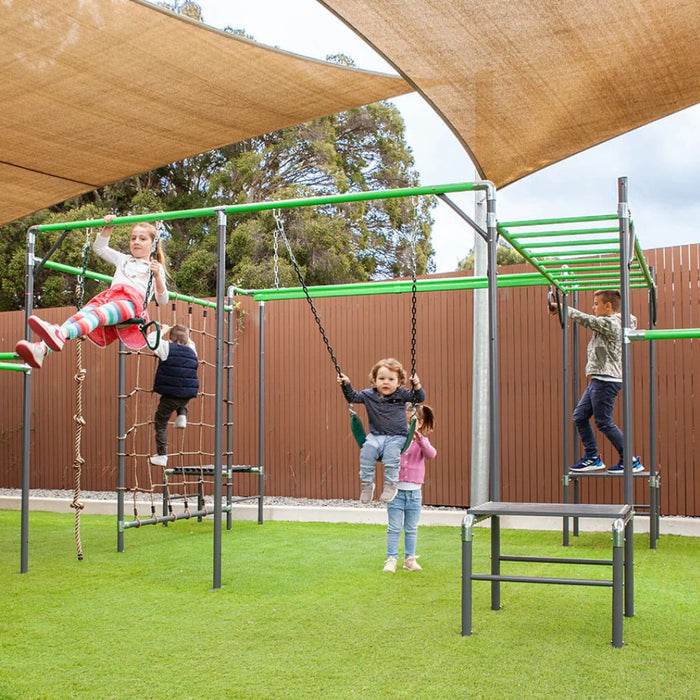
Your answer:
<point x="669" y="525"/>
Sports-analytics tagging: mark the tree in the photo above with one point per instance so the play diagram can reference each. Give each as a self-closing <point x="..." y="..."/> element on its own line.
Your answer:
<point x="505" y="255"/>
<point x="360" y="149"/>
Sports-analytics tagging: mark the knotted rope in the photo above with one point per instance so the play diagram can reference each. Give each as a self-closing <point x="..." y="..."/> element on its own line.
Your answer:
<point x="78" y="462"/>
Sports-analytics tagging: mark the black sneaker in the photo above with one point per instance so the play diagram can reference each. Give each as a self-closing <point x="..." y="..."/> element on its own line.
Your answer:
<point x="588" y="464"/>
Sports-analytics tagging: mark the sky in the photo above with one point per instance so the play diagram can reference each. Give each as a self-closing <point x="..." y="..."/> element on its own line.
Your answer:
<point x="660" y="160"/>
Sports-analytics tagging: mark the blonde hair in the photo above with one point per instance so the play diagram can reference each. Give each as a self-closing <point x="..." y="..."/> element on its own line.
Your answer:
<point x="392" y="365"/>
<point x="152" y="232"/>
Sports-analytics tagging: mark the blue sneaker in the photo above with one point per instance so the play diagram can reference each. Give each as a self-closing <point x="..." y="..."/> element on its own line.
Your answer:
<point x="588" y="464"/>
<point x="618" y="468"/>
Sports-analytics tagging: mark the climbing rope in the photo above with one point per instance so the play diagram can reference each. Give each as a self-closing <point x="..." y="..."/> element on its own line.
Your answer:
<point x="80" y="422"/>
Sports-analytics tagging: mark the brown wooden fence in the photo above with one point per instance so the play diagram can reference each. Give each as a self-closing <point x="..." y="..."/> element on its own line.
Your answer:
<point x="309" y="451"/>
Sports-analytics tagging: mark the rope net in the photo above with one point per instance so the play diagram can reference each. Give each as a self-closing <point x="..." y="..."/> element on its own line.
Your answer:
<point x="188" y="477"/>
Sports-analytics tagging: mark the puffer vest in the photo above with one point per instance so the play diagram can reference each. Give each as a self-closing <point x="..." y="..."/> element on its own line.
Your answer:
<point x="177" y="376"/>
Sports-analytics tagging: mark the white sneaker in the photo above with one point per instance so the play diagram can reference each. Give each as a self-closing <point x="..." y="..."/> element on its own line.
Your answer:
<point x="410" y="564"/>
<point x="32" y="353"/>
<point x="50" y="333"/>
<point x="159" y="460"/>
<point x="390" y="565"/>
<point x="181" y="421"/>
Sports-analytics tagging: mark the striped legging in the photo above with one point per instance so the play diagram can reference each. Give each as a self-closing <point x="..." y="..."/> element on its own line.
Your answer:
<point x="92" y="316"/>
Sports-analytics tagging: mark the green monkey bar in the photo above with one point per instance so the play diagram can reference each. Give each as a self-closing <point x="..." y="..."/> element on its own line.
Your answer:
<point x="573" y="257"/>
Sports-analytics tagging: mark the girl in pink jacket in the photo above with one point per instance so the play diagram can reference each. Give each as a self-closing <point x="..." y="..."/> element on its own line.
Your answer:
<point x="404" y="510"/>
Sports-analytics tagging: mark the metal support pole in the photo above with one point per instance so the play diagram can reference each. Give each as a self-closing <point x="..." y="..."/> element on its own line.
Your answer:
<point x="479" y="474"/>
<point x="467" y="536"/>
<point x="231" y="318"/>
<point x="618" y="537"/>
<point x="218" y="412"/>
<point x="625" y="250"/>
<point x="261" y="410"/>
<point x="494" y="407"/>
<point x="27" y="406"/>
<point x="566" y="429"/>
<point x="121" y="445"/>
<point x="654" y="503"/>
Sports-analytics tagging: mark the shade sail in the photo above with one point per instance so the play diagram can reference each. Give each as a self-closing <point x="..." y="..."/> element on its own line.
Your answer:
<point x="93" y="92"/>
<point x="526" y="83"/>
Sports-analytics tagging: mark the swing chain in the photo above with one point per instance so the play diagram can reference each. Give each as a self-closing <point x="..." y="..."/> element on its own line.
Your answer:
<point x="285" y="240"/>
<point x="275" y="247"/>
<point x="160" y="228"/>
<point x="414" y="290"/>
<point x="80" y="285"/>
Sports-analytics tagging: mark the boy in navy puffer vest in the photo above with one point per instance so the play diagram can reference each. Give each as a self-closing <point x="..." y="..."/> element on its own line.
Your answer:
<point x="176" y="381"/>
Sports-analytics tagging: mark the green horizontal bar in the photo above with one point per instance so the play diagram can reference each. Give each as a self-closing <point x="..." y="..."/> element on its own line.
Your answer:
<point x="60" y="267"/>
<point x="665" y="334"/>
<point x="14" y="366"/>
<point x="279" y="204"/>
<point x="8" y="356"/>
<point x="575" y="271"/>
<point x="565" y="220"/>
<point x="595" y="275"/>
<point x="612" y="284"/>
<point x="399" y="287"/>
<point x="605" y="251"/>
<point x="567" y="232"/>
<point x="563" y="244"/>
<point x="585" y="261"/>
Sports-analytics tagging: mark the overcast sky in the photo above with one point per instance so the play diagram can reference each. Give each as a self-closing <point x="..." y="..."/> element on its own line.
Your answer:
<point x="661" y="160"/>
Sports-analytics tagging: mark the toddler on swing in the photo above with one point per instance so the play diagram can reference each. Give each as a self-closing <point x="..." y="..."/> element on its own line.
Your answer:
<point x="385" y="401"/>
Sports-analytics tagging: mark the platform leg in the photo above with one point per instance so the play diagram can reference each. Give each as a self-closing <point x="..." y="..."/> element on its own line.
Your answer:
<point x="618" y="539"/>
<point x="467" y="535"/>
<point x="495" y="561"/>
<point x="629" y="568"/>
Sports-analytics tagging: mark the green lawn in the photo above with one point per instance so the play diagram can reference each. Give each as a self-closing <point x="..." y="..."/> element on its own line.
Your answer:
<point x="305" y="611"/>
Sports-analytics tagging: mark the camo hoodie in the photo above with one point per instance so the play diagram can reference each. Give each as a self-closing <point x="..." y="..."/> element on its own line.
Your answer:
<point x="604" y="351"/>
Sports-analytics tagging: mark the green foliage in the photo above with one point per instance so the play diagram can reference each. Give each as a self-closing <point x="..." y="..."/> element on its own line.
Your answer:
<point x="357" y="150"/>
<point x="361" y="149"/>
<point x="305" y="611"/>
<point x="505" y="255"/>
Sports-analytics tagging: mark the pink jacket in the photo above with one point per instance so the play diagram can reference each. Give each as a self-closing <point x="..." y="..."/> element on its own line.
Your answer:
<point x="412" y="467"/>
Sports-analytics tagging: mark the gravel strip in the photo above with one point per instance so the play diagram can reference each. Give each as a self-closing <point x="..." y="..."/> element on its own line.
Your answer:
<point x="269" y="500"/>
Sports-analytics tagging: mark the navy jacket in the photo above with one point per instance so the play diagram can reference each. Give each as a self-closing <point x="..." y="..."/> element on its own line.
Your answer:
<point x="177" y="376"/>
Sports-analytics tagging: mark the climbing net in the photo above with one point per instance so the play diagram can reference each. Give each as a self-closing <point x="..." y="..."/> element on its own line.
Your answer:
<point x="183" y="487"/>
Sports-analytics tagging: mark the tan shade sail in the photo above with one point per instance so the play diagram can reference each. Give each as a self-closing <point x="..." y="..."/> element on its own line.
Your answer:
<point x="93" y="92"/>
<point x="526" y="83"/>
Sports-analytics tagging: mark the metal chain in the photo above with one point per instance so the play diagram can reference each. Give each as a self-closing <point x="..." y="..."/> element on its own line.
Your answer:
<point x="280" y="228"/>
<point x="80" y="285"/>
<point x="414" y="289"/>
<point x="159" y="234"/>
<point x="275" y="246"/>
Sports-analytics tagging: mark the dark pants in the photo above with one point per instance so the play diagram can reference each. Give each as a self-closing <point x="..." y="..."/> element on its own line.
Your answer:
<point x="598" y="400"/>
<point x="166" y="406"/>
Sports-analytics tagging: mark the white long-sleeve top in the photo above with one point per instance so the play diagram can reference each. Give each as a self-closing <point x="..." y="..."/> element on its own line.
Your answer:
<point x="130" y="270"/>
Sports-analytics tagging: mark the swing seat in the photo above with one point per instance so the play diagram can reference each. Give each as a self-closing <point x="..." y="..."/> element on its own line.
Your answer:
<point x="358" y="430"/>
<point x="409" y="435"/>
<point x="144" y="326"/>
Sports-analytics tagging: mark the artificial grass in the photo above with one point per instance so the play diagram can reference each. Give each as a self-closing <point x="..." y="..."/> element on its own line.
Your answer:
<point x="305" y="611"/>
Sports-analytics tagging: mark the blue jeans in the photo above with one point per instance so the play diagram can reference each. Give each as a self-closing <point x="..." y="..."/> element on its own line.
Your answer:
<point x="403" y="511"/>
<point x="381" y="448"/>
<point x="598" y="400"/>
